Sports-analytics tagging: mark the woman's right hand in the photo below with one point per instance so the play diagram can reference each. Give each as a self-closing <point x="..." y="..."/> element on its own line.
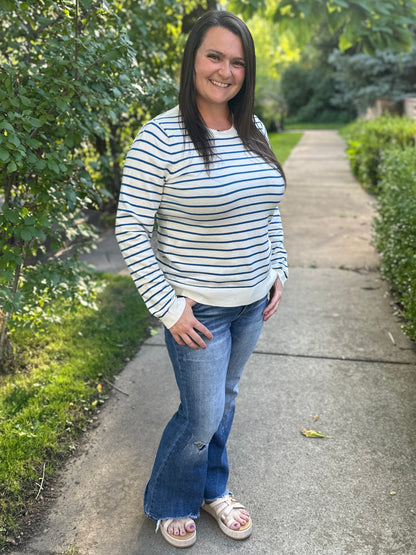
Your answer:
<point x="184" y="330"/>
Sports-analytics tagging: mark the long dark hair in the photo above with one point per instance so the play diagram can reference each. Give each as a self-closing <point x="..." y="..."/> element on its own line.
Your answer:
<point x="241" y="106"/>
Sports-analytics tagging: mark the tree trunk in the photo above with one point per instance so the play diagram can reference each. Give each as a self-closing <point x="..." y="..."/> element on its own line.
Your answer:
<point x="115" y="154"/>
<point x="6" y="349"/>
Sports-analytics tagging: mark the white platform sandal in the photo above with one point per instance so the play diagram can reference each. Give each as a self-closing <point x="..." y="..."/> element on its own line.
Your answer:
<point x="221" y="509"/>
<point x="186" y="540"/>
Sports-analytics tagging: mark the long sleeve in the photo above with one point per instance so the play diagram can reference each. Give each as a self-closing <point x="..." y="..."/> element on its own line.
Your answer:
<point x="279" y="256"/>
<point x="141" y="191"/>
<point x="276" y="236"/>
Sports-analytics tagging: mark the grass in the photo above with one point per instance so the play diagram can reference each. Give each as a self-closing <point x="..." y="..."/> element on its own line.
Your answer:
<point x="59" y="386"/>
<point x="283" y="143"/>
<point x="305" y="125"/>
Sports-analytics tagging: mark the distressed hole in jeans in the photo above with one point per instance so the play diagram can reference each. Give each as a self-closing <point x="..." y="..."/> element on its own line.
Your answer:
<point x="200" y="445"/>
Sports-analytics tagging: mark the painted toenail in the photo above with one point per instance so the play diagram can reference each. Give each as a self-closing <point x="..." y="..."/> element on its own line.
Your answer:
<point x="191" y="527"/>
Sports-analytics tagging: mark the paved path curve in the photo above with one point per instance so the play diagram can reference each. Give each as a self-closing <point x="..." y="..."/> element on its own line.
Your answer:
<point x="335" y="349"/>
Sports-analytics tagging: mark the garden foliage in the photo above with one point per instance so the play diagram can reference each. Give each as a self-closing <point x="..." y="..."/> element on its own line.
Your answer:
<point x="309" y="93"/>
<point x="383" y="158"/>
<point x="78" y="79"/>
<point x="369" y="140"/>
<point x="361" y="78"/>
<point x="396" y="228"/>
<point x="357" y="25"/>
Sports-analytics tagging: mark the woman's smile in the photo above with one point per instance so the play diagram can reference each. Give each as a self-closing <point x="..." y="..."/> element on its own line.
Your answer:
<point x="218" y="84"/>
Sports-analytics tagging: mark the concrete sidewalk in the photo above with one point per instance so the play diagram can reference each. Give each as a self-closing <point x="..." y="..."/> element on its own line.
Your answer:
<point x="335" y="349"/>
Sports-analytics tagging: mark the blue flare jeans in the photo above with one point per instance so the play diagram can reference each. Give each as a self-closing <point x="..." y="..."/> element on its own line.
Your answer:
<point x="191" y="464"/>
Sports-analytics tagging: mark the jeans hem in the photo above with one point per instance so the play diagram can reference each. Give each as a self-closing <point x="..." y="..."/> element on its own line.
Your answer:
<point x="158" y="520"/>
<point x="227" y="492"/>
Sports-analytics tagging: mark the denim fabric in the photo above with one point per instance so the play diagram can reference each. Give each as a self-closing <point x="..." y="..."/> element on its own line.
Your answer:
<point x="191" y="463"/>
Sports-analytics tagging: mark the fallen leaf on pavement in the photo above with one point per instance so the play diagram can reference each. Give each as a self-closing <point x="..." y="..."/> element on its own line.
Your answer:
<point x="311" y="433"/>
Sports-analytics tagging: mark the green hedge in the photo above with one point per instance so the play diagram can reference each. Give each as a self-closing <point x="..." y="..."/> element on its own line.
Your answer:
<point x="369" y="140"/>
<point x="396" y="228"/>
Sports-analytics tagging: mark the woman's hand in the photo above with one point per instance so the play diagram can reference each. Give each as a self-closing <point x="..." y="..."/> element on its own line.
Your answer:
<point x="184" y="330"/>
<point x="275" y="296"/>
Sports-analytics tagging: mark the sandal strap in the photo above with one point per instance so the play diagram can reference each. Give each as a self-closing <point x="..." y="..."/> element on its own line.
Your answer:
<point x="224" y="506"/>
<point x="166" y="523"/>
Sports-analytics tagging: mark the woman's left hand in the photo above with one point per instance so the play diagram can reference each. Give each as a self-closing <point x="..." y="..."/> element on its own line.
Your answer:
<point x="275" y="296"/>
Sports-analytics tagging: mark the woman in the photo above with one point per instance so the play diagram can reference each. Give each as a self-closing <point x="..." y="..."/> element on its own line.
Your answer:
<point x="206" y="172"/>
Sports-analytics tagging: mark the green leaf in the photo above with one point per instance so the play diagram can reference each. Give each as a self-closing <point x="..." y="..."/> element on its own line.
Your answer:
<point x="4" y="155"/>
<point x="344" y="43"/>
<point x="52" y="165"/>
<point x="7" y="126"/>
<point x="28" y="233"/>
<point x="10" y="215"/>
<point x="11" y="167"/>
<point x="7" y="5"/>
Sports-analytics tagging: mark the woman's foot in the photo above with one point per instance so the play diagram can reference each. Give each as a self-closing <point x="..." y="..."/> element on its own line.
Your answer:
<point x="232" y="517"/>
<point x="181" y="526"/>
<point x="179" y="532"/>
<point x="238" y="517"/>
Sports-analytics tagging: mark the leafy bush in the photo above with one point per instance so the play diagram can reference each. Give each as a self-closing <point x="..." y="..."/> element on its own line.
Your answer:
<point x="65" y="123"/>
<point x="396" y="229"/>
<point x="362" y="78"/>
<point x="309" y="92"/>
<point x="368" y="141"/>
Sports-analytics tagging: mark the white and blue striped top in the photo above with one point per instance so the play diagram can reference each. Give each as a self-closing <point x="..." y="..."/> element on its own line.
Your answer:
<point x="219" y="235"/>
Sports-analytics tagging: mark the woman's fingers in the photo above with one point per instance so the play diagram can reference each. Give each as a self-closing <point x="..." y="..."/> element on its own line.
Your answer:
<point x="185" y="330"/>
<point x="274" y="299"/>
<point x="191" y="338"/>
<point x="203" y="329"/>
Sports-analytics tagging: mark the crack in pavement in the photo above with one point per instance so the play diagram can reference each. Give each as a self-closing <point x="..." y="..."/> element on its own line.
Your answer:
<point x="321" y="357"/>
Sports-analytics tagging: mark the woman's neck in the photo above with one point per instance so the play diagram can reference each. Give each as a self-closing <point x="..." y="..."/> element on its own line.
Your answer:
<point x="219" y="118"/>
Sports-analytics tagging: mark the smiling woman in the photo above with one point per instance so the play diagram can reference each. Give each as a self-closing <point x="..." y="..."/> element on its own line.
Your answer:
<point x="206" y="172"/>
<point x="219" y="75"/>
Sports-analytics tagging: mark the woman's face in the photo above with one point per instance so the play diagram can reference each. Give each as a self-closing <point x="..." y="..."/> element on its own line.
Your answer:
<point x="219" y="68"/>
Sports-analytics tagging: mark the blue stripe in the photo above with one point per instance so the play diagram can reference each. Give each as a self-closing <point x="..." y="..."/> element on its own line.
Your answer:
<point x="229" y="285"/>
<point x="218" y="274"/>
<point x="209" y="249"/>
<point x="239" y="207"/>
<point x="214" y="234"/>
<point x="231" y="242"/>
<point x="204" y="257"/>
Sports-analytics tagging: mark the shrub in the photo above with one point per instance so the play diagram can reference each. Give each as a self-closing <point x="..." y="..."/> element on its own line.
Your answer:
<point x="368" y="141"/>
<point x="361" y="78"/>
<point x="309" y="95"/>
<point x="396" y="229"/>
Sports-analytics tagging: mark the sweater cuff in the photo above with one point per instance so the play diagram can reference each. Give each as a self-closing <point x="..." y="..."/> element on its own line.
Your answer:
<point x="282" y="275"/>
<point x="174" y="312"/>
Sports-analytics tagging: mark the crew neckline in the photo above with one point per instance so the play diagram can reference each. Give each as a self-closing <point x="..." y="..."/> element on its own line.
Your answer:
<point x="225" y="133"/>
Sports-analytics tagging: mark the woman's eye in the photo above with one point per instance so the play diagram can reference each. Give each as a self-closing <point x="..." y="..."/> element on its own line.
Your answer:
<point x="213" y="56"/>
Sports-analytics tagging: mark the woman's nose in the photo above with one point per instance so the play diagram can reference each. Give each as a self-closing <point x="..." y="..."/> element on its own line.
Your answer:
<point x="225" y="70"/>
